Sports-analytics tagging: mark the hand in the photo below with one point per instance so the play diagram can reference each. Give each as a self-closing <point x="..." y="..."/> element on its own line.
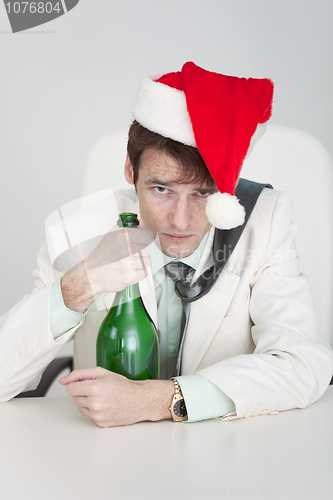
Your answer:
<point x="112" y="400"/>
<point x="121" y="259"/>
<point x="118" y="244"/>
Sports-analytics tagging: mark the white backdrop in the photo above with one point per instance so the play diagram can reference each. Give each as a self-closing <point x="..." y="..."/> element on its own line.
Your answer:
<point x="65" y="84"/>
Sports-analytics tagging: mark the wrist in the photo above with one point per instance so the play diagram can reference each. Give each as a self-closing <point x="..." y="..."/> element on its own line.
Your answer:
<point x="156" y="398"/>
<point x="76" y="290"/>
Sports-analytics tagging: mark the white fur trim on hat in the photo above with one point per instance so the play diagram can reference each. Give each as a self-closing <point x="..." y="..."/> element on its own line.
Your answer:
<point x="224" y="211"/>
<point x="162" y="109"/>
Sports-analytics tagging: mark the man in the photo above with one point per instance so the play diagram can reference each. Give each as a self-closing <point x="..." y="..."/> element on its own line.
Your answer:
<point x="249" y="344"/>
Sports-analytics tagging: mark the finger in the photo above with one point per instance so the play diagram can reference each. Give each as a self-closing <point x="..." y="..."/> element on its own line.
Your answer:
<point x="134" y="250"/>
<point x="136" y="275"/>
<point x="141" y="234"/>
<point x="84" y="374"/>
<point x="119" y="245"/>
<point x="135" y="262"/>
<point x="78" y="389"/>
<point x="142" y="250"/>
<point x="95" y="406"/>
<point x="144" y="261"/>
<point x="98" y="420"/>
<point x="141" y="261"/>
<point x="85" y="411"/>
<point x="81" y="401"/>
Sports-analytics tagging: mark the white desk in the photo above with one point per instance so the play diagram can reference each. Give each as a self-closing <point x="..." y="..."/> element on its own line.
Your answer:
<point x="48" y="450"/>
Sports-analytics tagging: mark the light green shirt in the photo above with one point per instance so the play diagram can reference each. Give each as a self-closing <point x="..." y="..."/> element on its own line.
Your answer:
<point x="169" y="306"/>
<point x="203" y="399"/>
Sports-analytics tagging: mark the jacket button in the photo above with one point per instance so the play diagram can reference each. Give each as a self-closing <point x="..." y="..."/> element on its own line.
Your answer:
<point x="265" y="412"/>
<point x="12" y="361"/>
<point x="25" y="350"/>
<point x="31" y="345"/>
<point x="19" y="356"/>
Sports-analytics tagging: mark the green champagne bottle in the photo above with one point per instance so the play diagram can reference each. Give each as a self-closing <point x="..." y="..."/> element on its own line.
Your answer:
<point x="127" y="341"/>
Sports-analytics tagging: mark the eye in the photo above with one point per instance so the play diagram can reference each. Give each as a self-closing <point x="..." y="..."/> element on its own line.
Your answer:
<point x="203" y="193"/>
<point x="160" y="189"/>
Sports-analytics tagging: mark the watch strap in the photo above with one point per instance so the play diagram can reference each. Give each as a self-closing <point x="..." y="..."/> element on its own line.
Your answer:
<point x="177" y="400"/>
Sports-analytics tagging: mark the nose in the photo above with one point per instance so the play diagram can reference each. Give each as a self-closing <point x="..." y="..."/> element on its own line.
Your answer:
<point x="180" y="215"/>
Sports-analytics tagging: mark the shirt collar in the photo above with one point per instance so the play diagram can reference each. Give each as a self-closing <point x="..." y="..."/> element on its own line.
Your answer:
<point x="159" y="259"/>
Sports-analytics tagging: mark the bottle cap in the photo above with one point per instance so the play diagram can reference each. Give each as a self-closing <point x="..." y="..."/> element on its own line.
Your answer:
<point x="128" y="219"/>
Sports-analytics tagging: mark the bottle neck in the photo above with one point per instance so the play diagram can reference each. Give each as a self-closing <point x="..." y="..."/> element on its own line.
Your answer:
<point x="129" y="294"/>
<point x="132" y="292"/>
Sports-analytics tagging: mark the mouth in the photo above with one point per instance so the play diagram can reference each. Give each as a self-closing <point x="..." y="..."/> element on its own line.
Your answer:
<point x="178" y="237"/>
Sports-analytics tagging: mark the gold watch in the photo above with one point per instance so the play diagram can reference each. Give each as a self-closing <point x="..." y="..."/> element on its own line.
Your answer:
<point x="178" y="407"/>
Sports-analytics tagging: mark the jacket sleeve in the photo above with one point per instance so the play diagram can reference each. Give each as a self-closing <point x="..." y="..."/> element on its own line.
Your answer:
<point x="27" y="345"/>
<point x="291" y="366"/>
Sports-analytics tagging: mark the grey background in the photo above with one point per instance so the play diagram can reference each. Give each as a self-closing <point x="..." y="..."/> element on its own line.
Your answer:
<point x="66" y="84"/>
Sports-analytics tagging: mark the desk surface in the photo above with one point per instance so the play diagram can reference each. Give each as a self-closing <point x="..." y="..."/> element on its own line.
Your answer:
<point x="49" y="450"/>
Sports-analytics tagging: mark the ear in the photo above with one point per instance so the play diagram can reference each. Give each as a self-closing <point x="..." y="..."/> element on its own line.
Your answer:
<point x="128" y="171"/>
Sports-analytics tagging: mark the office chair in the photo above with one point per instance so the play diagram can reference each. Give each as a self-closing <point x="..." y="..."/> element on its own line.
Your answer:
<point x="290" y="160"/>
<point x="49" y="376"/>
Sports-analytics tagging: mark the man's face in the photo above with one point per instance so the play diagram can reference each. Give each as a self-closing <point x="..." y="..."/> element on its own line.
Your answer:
<point x="176" y="211"/>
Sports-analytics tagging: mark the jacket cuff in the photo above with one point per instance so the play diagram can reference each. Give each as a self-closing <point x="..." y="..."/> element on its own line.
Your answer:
<point x="62" y="319"/>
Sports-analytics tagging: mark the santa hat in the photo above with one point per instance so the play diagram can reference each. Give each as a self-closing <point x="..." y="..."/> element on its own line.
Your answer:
<point x="223" y="116"/>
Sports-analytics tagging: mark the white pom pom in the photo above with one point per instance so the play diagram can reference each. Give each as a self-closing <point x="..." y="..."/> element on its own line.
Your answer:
<point x="224" y="211"/>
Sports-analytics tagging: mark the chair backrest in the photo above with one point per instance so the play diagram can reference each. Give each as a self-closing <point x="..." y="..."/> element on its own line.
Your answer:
<point x="291" y="161"/>
<point x="105" y="164"/>
<point x="295" y="162"/>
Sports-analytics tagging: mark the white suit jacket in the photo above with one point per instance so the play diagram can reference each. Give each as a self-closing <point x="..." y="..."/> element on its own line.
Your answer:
<point x="253" y="335"/>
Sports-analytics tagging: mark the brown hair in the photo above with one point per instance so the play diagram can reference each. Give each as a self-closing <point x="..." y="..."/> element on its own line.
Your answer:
<point x="194" y="170"/>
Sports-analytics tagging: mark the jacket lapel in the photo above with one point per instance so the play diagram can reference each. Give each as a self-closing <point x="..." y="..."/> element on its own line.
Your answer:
<point x="206" y="259"/>
<point x="206" y="316"/>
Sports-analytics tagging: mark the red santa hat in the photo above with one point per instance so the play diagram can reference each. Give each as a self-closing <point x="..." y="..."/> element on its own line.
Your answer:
<point x="223" y="116"/>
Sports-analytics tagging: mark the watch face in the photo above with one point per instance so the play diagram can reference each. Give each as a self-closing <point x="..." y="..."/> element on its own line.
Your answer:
<point x="180" y="408"/>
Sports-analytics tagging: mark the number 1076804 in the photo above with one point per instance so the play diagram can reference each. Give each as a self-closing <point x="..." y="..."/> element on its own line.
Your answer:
<point x="33" y="7"/>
